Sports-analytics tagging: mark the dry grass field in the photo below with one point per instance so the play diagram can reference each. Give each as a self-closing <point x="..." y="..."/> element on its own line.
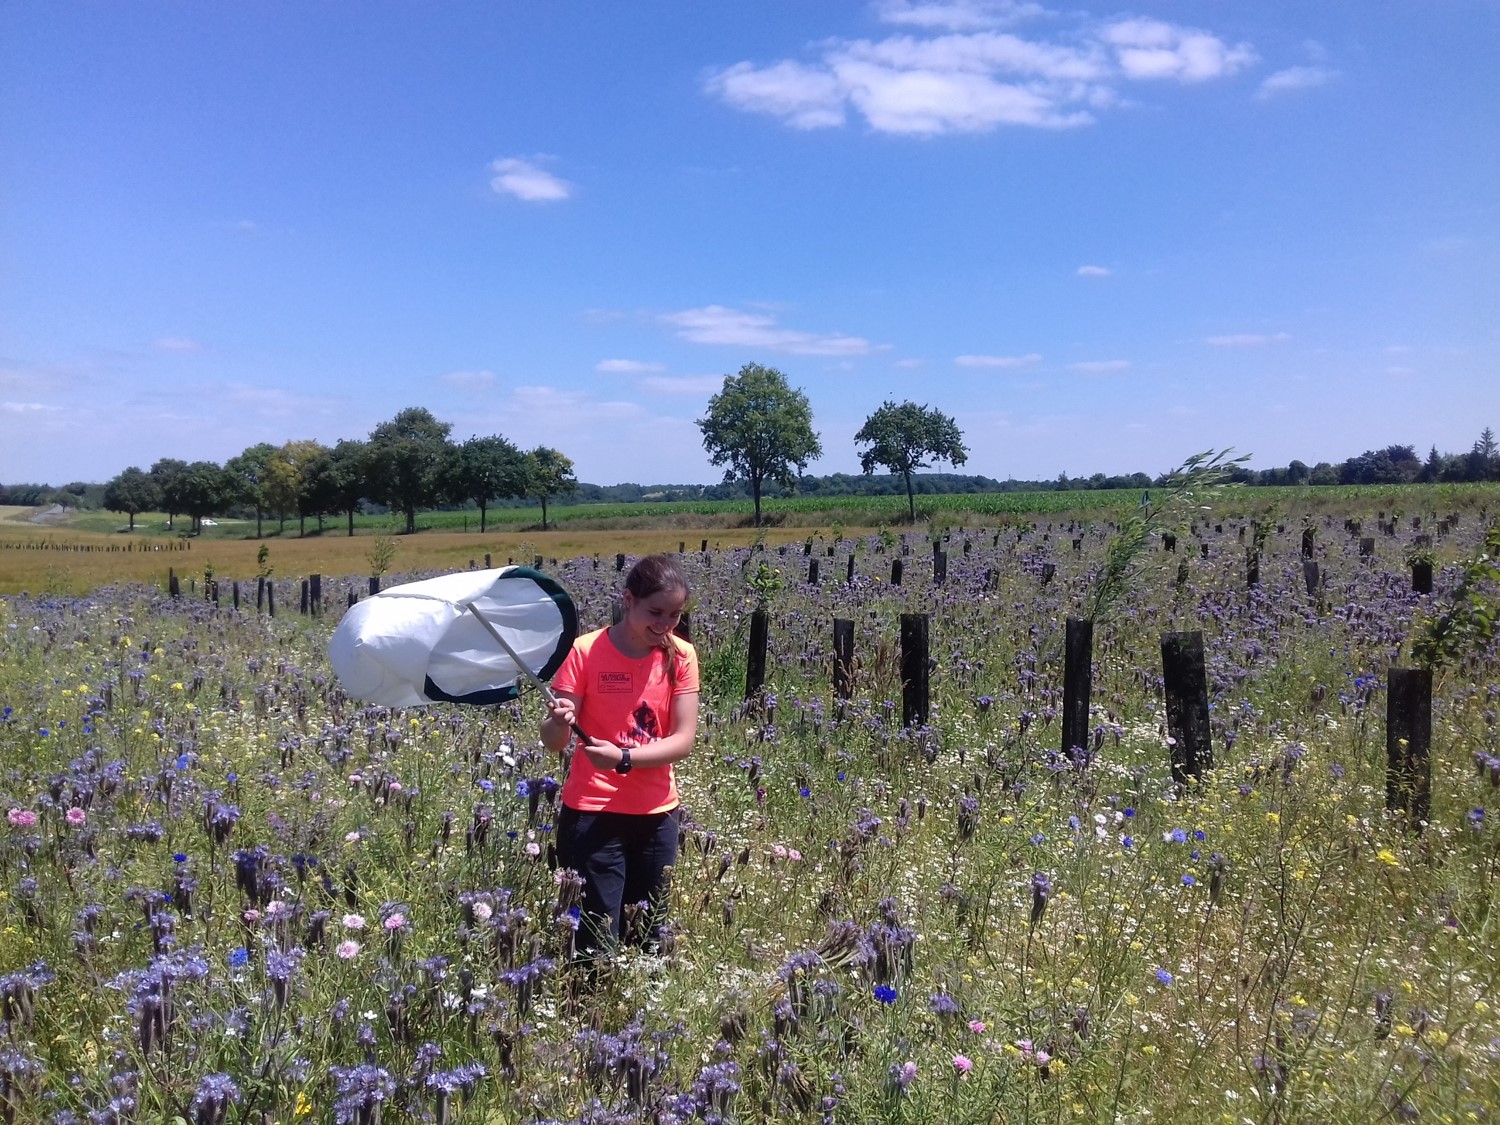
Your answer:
<point x="57" y="560"/>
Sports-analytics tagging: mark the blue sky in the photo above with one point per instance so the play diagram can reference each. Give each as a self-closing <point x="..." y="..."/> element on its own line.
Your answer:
<point x="1101" y="238"/>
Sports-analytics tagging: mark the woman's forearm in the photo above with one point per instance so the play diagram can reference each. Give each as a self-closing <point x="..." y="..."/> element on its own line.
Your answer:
<point x="665" y="751"/>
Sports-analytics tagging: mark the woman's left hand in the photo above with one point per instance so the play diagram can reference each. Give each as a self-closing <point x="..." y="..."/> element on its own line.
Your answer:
<point x="603" y="755"/>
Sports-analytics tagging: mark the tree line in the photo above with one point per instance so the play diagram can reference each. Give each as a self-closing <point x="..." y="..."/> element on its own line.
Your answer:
<point x="406" y="465"/>
<point x="758" y="428"/>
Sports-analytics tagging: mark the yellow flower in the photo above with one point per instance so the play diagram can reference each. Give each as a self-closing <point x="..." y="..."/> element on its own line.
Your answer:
<point x="1273" y="818"/>
<point x="1385" y="855"/>
<point x="1149" y="1049"/>
<point x="303" y="1107"/>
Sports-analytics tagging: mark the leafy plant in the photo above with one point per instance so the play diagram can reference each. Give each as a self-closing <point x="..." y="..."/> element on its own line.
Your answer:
<point x="382" y="552"/>
<point x="1179" y="489"/>
<point x="1468" y="624"/>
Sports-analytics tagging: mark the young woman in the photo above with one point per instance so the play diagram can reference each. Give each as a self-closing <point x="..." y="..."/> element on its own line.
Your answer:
<point x="632" y="689"/>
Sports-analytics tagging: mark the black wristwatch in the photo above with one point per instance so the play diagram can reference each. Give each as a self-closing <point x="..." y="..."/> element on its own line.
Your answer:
<point x="624" y="766"/>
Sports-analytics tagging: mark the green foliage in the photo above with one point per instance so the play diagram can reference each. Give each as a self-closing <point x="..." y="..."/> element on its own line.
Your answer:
<point x="906" y="438"/>
<point x="1467" y="626"/>
<point x="382" y="552"/>
<point x="548" y="474"/>
<point x="1182" y="487"/>
<point x="760" y="428"/>
<point x="764" y="583"/>
<point x="132" y="492"/>
<point x="483" y="469"/>
<point x="404" y="462"/>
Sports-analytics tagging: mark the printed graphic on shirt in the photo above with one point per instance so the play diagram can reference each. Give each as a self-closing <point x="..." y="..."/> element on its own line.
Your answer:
<point x="615" y="683"/>
<point x="643" y="726"/>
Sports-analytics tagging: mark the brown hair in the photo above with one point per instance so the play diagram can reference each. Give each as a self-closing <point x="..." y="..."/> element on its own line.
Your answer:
<point x="653" y="575"/>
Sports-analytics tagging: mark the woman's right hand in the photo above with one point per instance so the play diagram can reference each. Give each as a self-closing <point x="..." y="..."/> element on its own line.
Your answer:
<point x="562" y="710"/>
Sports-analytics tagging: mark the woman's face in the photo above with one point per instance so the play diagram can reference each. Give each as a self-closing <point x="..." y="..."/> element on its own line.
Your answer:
<point x="651" y="618"/>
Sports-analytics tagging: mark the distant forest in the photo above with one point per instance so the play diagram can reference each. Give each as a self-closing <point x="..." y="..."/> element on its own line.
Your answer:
<point x="1395" y="464"/>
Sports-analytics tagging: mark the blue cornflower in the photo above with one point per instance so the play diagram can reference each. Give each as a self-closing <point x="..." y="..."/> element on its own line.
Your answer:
<point x="1163" y="976"/>
<point x="841" y="775"/>
<point x="1188" y="881"/>
<point x="1199" y="835"/>
<point x="1073" y="823"/>
<point x="804" y="791"/>
<point x="1129" y="813"/>
<point x="238" y="958"/>
<point x="1127" y="841"/>
<point x="885" y="994"/>
<point x="1038" y="840"/>
<point x="179" y="857"/>
<point x="1176" y="836"/>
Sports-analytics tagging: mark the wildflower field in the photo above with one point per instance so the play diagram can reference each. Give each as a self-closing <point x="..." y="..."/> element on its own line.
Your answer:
<point x="230" y="893"/>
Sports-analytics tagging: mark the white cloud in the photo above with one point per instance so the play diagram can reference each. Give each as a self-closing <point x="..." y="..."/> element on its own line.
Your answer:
<point x="628" y="366"/>
<point x="179" y="345"/>
<point x="998" y="361"/>
<point x="1093" y="271"/>
<point x="1295" y="78"/>
<point x="524" y="180"/>
<point x="1101" y="366"/>
<point x="715" y="324"/>
<point x="972" y="78"/>
<point x="956" y="15"/>
<point x="1247" y="340"/>
<point x="910" y="364"/>
<point x="277" y="402"/>
<point x="27" y="408"/>
<point x="684" y="384"/>
<point x="1151" y="49"/>
<point x="468" y="380"/>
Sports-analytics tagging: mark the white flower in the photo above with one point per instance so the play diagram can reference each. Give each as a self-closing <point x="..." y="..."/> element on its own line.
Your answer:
<point x="354" y="922"/>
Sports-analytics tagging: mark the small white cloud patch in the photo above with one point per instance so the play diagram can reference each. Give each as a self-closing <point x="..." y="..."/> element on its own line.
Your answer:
<point x="627" y="366"/>
<point x="998" y="361"/>
<point x="1093" y="271"/>
<point x="1293" y="79"/>
<point x="526" y="181"/>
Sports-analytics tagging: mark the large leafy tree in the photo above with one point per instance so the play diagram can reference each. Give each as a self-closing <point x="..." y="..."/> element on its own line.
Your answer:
<point x="133" y="491"/>
<point x="548" y="474"/>
<point x="348" y="471"/>
<point x="405" y="463"/>
<point x="484" y="469"/>
<point x="168" y="475"/>
<point x="204" y="489"/>
<point x="250" y="471"/>
<point x="760" y="429"/>
<point x="906" y="438"/>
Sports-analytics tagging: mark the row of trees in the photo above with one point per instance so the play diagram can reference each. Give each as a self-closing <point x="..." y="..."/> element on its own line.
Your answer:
<point x="758" y="428"/>
<point x="407" y="464"/>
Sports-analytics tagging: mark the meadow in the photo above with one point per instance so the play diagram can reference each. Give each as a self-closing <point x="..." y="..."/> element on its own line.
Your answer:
<point x="229" y="892"/>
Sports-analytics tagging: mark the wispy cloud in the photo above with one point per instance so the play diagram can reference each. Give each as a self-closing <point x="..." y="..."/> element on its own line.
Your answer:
<point x="178" y="345"/>
<point x="527" y="181"/>
<point x="27" y="408"/>
<point x="716" y="324"/>
<point x="627" y="366"/>
<point x="1093" y="271"/>
<point x="683" y="384"/>
<point x="1247" y="340"/>
<point x="1010" y="362"/>
<point x="970" y="77"/>
<point x="468" y="380"/>
<point x="1295" y="78"/>
<point x="957" y="15"/>
<point x="278" y="402"/>
<point x="1101" y="366"/>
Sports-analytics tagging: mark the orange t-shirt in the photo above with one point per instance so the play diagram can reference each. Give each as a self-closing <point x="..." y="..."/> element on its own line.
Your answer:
<point x="627" y="702"/>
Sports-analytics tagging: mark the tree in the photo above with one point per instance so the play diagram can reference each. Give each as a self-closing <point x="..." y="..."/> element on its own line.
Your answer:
<point x="203" y="489"/>
<point x="1484" y="459"/>
<point x="548" y="474"/>
<point x="289" y="476"/>
<point x="908" y="437"/>
<point x="131" y="492"/>
<point x="320" y="487"/>
<point x="484" y="469"/>
<point x="250" y="472"/>
<point x="348" y="468"/>
<point x="168" y="473"/>
<point x="760" y="429"/>
<point x="406" y="457"/>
